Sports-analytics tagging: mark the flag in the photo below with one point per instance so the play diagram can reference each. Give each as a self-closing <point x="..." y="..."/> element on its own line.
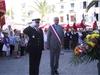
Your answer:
<point x="67" y="28"/>
<point x="95" y="25"/>
<point x="74" y="27"/>
<point x="82" y="24"/>
<point x="2" y="21"/>
<point x="2" y="12"/>
<point x="2" y="6"/>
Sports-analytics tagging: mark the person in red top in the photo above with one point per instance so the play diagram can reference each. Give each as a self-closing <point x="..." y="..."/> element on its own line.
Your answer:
<point x="74" y="27"/>
<point x="82" y="24"/>
<point x="94" y="25"/>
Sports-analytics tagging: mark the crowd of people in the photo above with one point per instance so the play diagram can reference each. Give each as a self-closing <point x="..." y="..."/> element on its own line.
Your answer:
<point x="12" y="42"/>
<point x="73" y="38"/>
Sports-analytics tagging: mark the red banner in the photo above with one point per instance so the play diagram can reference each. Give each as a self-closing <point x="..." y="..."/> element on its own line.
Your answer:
<point x="2" y="21"/>
<point x="2" y="12"/>
<point x="2" y="6"/>
<point x="94" y="25"/>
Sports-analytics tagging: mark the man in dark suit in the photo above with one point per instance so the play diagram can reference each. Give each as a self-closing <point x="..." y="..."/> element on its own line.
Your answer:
<point x="74" y="39"/>
<point x="35" y="46"/>
<point x="67" y="40"/>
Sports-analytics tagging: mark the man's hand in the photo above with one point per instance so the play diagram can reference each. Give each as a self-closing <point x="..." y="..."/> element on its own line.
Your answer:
<point x="48" y="47"/>
<point x="62" y="46"/>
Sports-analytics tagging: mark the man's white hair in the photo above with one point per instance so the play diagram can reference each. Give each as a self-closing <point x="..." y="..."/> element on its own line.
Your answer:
<point x="56" y="18"/>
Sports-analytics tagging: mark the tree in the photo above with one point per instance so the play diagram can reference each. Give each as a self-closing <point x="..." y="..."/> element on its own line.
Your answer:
<point x="10" y="13"/>
<point x="42" y="7"/>
<point x="92" y="3"/>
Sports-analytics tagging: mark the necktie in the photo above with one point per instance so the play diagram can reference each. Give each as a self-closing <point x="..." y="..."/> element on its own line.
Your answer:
<point x="55" y="27"/>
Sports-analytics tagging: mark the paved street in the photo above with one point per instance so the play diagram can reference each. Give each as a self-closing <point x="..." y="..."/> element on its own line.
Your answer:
<point x="10" y="66"/>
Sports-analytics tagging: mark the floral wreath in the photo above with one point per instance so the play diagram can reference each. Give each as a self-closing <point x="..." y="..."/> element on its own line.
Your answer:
<point x="89" y="50"/>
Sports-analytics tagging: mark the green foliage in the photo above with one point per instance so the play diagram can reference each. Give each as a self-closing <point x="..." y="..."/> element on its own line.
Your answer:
<point x="8" y="13"/>
<point x="42" y="7"/>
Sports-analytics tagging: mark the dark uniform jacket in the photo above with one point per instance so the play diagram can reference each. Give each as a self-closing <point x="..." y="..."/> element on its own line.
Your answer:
<point x="35" y="42"/>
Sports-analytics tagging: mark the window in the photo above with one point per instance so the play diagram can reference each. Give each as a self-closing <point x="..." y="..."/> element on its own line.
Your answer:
<point x="62" y="7"/>
<point x="96" y="5"/>
<point x="72" y="5"/>
<point x="84" y="5"/>
<point x="61" y="0"/>
<point x="67" y="17"/>
<point x="96" y="15"/>
<point x="72" y="18"/>
<point x="61" y="11"/>
<point x="61" y="18"/>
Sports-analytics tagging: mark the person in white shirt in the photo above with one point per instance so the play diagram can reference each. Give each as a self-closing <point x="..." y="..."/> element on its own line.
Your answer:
<point x="45" y="38"/>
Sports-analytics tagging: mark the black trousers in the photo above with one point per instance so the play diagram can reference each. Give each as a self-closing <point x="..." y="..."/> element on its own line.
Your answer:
<point x="1" y="52"/>
<point x="22" y="51"/>
<point x="34" y="62"/>
<point x="11" y="49"/>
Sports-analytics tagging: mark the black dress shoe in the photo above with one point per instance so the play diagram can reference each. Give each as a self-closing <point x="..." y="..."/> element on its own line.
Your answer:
<point x="52" y="73"/>
<point x="56" y="72"/>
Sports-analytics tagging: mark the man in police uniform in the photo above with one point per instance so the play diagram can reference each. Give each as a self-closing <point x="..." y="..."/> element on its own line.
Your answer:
<point x="35" y="46"/>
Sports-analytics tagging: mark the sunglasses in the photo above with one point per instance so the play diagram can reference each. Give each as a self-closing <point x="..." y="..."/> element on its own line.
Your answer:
<point x="37" y="22"/>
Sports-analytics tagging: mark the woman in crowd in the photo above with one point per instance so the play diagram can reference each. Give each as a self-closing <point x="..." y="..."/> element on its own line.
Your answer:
<point x="6" y="45"/>
<point x="74" y="39"/>
<point x="22" y="44"/>
<point x="12" y="42"/>
<point x="17" y="44"/>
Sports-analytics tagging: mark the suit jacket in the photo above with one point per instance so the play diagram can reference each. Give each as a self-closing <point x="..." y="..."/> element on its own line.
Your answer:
<point x="66" y="39"/>
<point x="52" y="41"/>
<point x="74" y="37"/>
<point x="35" y="42"/>
<point x="67" y="36"/>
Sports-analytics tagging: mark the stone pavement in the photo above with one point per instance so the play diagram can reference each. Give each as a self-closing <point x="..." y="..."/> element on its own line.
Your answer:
<point x="10" y="66"/>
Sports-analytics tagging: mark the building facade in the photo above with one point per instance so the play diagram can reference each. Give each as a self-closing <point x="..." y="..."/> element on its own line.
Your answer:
<point x="70" y="11"/>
